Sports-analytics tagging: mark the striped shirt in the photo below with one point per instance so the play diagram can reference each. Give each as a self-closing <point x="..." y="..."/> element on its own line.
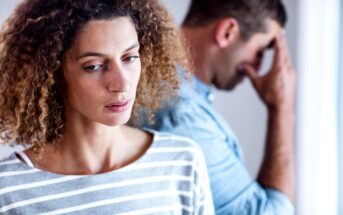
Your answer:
<point x="170" y="178"/>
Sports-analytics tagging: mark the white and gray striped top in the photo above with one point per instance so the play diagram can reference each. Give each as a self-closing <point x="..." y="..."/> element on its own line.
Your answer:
<point x="171" y="178"/>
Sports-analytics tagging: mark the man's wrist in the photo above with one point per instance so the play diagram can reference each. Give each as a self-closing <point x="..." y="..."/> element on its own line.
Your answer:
<point x="287" y="110"/>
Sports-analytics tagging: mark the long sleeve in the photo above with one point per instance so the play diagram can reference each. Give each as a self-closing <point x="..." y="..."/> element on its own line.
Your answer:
<point x="233" y="189"/>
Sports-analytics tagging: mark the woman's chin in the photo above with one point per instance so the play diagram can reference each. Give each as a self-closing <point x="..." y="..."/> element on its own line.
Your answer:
<point x="117" y="121"/>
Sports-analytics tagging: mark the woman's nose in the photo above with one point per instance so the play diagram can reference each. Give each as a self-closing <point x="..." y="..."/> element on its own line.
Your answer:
<point x="117" y="79"/>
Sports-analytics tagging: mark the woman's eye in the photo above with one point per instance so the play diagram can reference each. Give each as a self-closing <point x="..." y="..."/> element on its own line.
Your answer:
<point x="93" y="68"/>
<point x="131" y="58"/>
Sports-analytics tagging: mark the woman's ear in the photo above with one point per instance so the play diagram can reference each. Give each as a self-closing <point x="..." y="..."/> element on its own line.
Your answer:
<point x="226" y="32"/>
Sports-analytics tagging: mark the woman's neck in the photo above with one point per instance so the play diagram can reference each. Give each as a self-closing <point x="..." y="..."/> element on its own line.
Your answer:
<point x="93" y="148"/>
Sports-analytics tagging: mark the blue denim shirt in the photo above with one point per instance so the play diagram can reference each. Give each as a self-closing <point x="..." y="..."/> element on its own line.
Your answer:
<point x="233" y="189"/>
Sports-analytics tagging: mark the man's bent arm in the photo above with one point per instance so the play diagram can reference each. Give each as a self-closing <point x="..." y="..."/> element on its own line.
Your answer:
<point x="234" y="191"/>
<point x="277" y="170"/>
<point x="277" y="90"/>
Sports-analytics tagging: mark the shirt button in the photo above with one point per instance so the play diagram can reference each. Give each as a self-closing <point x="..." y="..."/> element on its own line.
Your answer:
<point x="210" y="97"/>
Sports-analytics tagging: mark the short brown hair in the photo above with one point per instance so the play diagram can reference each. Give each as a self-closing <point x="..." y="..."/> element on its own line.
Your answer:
<point x="250" y="14"/>
<point x="32" y="46"/>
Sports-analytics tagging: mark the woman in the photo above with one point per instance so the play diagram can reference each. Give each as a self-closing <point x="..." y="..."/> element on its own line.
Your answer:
<point x="69" y="73"/>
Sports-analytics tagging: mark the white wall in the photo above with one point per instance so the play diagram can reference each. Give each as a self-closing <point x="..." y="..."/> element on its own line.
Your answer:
<point x="6" y="8"/>
<point x="317" y="148"/>
<point x="178" y="9"/>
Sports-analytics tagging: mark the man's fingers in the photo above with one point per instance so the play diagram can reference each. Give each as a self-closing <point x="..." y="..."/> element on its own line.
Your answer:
<point x="284" y="47"/>
<point x="278" y="56"/>
<point x="251" y="73"/>
<point x="282" y="57"/>
<point x="286" y="57"/>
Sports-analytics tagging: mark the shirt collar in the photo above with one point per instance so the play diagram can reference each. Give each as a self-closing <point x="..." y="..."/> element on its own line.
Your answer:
<point x="200" y="88"/>
<point x="204" y="90"/>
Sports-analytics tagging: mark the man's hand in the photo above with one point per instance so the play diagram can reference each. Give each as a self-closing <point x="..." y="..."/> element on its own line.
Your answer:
<point x="277" y="90"/>
<point x="277" y="87"/>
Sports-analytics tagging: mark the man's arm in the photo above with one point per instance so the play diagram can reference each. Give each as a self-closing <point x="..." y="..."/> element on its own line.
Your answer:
<point x="234" y="191"/>
<point x="277" y="90"/>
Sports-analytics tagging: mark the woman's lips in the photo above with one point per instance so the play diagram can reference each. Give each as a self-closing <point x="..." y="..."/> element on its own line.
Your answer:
<point x="118" y="107"/>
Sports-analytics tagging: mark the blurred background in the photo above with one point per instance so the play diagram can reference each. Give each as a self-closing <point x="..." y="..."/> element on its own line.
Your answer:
<point x="314" y="33"/>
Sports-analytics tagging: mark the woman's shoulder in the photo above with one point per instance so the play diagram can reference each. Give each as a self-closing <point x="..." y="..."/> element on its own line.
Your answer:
<point x="13" y="170"/>
<point x="160" y="139"/>
<point x="165" y="140"/>
<point x="9" y="162"/>
<point x="172" y="139"/>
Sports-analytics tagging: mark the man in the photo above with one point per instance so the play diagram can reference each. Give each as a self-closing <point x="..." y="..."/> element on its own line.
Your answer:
<point x="226" y="40"/>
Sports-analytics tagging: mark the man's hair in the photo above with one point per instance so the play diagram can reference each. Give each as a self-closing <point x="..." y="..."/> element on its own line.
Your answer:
<point x="250" y="14"/>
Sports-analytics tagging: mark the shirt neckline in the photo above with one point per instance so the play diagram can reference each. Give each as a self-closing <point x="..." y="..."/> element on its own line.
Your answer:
<point x="29" y="165"/>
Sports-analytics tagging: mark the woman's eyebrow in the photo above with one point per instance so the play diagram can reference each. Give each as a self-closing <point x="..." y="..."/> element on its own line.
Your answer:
<point x="132" y="47"/>
<point x="97" y="54"/>
<point x="88" y="54"/>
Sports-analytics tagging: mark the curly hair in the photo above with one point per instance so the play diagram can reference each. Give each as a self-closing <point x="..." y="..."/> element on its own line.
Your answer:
<point x="32" y="45"/>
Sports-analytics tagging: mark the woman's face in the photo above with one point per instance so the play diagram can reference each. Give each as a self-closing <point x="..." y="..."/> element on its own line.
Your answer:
<point x="102" y="70"/>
